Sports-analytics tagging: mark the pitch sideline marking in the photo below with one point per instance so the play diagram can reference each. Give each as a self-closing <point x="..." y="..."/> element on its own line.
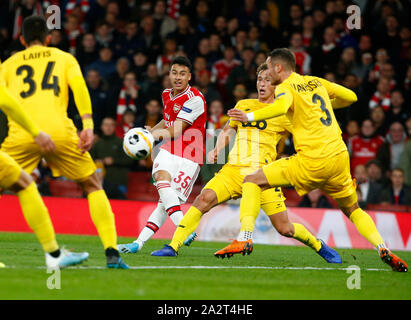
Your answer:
<point x="211" y="267"/>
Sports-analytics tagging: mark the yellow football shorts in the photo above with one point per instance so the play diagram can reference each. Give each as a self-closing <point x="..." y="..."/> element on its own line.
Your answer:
<point x="228" y="182"/>
<point x="9" y="171"/>
<point x="67" y="160"/>
<point x="331" y="175"/>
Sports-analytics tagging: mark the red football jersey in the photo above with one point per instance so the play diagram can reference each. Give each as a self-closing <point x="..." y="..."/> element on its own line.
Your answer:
<point x="189" y="106"/>
<point x="364" y="150"/>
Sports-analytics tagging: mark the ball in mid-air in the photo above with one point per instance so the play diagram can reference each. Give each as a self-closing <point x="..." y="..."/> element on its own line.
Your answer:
<point x="138" y="143"/>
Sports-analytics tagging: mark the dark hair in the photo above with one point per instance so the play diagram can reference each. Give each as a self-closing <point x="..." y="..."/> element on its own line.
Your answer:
<point x="262" y="67"/>
<point x="34" y="29"/>
<point x="285" y="55"/>
<point x="182" y="61"/>
<point x="397" y="169"/>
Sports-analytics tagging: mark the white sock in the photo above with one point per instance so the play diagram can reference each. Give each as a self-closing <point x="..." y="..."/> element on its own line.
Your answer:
<point x="245" y="235"/>
<point x="170" y="201"/>
<point x="154" y="222"/>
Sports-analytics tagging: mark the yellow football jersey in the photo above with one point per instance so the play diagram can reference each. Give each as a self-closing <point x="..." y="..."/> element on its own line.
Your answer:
<point x="38" y="77"/>
<point x="256" y="142"/>
<point x="316" y="133"/>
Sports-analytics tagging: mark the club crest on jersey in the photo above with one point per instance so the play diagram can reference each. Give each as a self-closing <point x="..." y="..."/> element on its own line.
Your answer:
<point x="176" y="108"/>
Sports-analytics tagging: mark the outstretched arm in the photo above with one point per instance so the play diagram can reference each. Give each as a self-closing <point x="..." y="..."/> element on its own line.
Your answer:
<point x="279" y="107"/>
<point x="340" y="96"/>
<point x="222" y="141"/>
<point x="12" y="109"/>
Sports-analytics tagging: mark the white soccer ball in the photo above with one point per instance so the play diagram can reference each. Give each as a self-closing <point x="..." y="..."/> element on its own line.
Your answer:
<point x="138" y="143"/>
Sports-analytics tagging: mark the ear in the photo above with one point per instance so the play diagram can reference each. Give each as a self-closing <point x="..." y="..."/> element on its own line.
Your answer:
<point x="22" y="41"/>
<point x="189" y="76"/>
<point x="48" y="40"/>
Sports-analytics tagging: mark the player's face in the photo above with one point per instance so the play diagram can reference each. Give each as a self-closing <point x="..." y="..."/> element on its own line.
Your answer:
<point x="179" y="77"/>
<point x="264" y="87"/>
<point x="274" y="69"/>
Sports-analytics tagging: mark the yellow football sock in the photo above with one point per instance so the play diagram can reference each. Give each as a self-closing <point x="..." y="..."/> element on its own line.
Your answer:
<point x="37" y="217"/>
<point x="249" y="206"/>
<point x="303" y="235"/>
<point x="186" y="226"/>
<point x="365" y="225"/>
<point x="103" y="218"/>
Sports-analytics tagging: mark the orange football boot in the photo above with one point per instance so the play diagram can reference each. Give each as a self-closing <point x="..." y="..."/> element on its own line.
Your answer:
<point x="392" y="260"/>
<point x="243" y="247"/>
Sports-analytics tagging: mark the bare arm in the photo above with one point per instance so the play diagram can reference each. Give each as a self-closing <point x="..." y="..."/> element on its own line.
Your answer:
<point x="222" y="141"/>
<point x="173" y="132"/>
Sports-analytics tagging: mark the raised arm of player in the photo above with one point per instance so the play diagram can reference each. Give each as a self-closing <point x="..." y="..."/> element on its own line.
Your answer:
<point x="279" y="107"/>
<point x="12" y="108"/>
<point x="340" y="96"/>
<point x="223" y="139"/>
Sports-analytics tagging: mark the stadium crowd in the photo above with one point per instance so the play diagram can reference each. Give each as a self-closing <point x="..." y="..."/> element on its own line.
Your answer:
<point x="124" y="48"/>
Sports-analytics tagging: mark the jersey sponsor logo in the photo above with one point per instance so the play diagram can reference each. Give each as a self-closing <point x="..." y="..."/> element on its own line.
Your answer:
<point x="176" y="108"/>
<point x="188" y="110"/>
<point x="260" y="125"/>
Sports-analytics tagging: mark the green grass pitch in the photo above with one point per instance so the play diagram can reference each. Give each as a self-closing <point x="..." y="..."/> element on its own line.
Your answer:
<point x="270" y="272"/>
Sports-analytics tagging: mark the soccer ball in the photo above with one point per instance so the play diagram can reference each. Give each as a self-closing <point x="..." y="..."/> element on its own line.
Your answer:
<point x="138" y="143"/>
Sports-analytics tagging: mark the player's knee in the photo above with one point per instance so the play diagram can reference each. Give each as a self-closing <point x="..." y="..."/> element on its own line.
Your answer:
<point x="92" y="184"/>
<point x="285" y="230"/>
<point x="22" y="183"/>
<point x="205" y="200"/>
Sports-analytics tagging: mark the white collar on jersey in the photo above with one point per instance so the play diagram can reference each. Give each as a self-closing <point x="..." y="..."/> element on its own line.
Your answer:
<point x="180" y="94"/>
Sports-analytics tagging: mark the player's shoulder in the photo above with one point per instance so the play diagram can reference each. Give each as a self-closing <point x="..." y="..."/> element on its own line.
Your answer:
<point x="194" y="92"/>
<point x="246" y="103"/>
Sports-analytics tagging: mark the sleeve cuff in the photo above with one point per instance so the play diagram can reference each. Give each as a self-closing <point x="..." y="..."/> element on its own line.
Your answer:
<point x="250" y="116"/>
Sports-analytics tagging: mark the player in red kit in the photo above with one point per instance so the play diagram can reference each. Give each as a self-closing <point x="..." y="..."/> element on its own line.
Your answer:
<point x="177" y="164"/>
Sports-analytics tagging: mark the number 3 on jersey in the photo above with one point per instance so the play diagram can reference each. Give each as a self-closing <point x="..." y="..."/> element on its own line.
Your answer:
<point x="45" y="83"/>
<point x="184" y="182"/>
<point x="327" y="121"/>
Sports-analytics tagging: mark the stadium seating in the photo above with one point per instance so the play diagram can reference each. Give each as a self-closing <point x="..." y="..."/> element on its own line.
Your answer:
<point x="388" y="207"/>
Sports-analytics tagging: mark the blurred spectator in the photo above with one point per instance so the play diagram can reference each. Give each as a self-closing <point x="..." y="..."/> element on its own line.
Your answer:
<point x="202" y="23"/>
<point x="128" y="100"/>
<point x="125" y="122"/>
<point x="151" y="87"/>
<point x="381" y="58"/>
<point x="149" y="40"/>
<point x="73" y="31"/>
<point x="104" y="65"/>
<point x="374" y="171"/>
<point x="247" y="14"/>
<point x="315" y="199"/>
<point x="58" y="40"/>
<point x="152" y="115"/>
<point x="253" y="40"/>
<point x="397" y="112"/>
<point x="108" y="151"/>
<point x="382" y="96"/>
<point x="139" y="65"/>
<point x="351" y="130"/>
<point x="405" y="162"/>
<point x="239" y="93"/>
<point x="378" y="119"/>
<point x="240" y="40"/>
<point x="294" y="24"/>
<point x="391" y="150"/>
<point x="408" y="127"/>
<point x="104" y="36"/>
<point x="199" y="65"/>
<point x="245" y="72"/>
<point x="87" y="52"/>
<point x="308" y="32"/>
<point x="365" y="146"/>
<point x="99" y="98"/>
<point x="116" y="78"/>
<point x="328" y="54"/>
<point x="268" y="35"/>
<point x="363" y="69"/>
<point x="169" y="52"/>
<point x="397" y="192"/>
<point x="185" y="35"/>
<point x="222" y="68"/>
<point x="96" y="13"/>
<point x="164" y="24"/>
<point x="346" y="64"/>
<point x="208" y="90"/>
<point x="127" y="44"/>
<point x="302" y="58"/>
<point x="369" y="190"/>
<point x="216" y="117"/>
